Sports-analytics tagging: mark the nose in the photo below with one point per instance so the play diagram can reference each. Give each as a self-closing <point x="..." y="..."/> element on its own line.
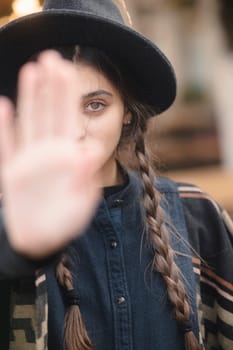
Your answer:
<point x="81" y="128"/>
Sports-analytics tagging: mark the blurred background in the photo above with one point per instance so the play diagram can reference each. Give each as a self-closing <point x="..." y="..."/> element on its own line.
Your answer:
<point x="194" y="139"/>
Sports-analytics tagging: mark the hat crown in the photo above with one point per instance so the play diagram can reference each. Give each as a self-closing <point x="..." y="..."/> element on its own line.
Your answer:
<point x="102" y="8"/>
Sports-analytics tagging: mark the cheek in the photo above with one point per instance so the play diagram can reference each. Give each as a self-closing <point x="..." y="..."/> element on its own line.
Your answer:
<point x="108" y="138"/>
<point x="106" y="128"/>
<point x="105" y="133"/>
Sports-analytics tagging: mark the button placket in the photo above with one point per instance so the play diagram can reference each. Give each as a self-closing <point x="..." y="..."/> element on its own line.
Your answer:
<point x="118" y="283"/>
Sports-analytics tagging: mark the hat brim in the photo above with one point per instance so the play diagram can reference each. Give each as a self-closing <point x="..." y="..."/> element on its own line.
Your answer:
<point x="150" y="69"/>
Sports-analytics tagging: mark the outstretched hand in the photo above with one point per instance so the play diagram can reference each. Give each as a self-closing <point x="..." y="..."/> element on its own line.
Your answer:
<point x="48" y="178"/>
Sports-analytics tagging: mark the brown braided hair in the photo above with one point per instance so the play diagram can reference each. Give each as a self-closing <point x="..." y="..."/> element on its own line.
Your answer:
<point x="75" y="333"/>
<point x="158" y="238"/>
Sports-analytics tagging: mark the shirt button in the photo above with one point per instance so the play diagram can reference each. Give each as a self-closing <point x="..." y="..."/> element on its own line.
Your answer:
<point x="118" y="202"/>
<point x="120" y="300"/>
<point x="113" y="244"/>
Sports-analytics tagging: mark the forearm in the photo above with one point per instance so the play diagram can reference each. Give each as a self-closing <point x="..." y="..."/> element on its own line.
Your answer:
<point x="14" y="265"/>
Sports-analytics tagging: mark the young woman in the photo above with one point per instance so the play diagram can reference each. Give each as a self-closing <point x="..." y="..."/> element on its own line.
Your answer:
<point x="92" y="254"/>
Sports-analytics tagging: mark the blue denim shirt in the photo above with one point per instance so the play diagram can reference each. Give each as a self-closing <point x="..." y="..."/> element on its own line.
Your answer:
<point x="123" y="303"/>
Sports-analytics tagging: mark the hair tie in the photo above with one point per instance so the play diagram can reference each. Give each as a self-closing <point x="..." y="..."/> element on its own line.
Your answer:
<point x="186" y="326"/>
<point x="72" y="297"/>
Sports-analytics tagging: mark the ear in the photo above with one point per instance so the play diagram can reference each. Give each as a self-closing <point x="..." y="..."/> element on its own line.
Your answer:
<point x="127" y="117"/>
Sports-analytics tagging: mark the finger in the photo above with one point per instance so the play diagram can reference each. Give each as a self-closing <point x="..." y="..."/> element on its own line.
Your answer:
<point x="69" y="112"/>
<point x="48" y="53"/>
<point x="62" y="99"/>
<point x="28" y="85"/>
<point x="49" y="101"/>
<point x="7" y="132"/>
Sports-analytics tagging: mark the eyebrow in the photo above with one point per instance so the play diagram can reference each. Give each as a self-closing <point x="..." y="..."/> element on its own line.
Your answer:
<point x="97" y="93"/>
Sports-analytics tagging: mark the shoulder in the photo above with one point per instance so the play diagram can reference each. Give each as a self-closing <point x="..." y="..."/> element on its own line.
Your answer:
<point x="206" y="221"/>
<point x="201" y="208"/>
<point x="210" y="231"/>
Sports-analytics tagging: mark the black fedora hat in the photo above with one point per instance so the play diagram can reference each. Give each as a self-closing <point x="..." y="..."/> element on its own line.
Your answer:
<point x="96" y="23"/>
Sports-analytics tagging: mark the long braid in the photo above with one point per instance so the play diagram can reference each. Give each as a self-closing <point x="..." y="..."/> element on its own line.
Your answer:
<point x="163" y="260"/>
<point x="75" y="333"/>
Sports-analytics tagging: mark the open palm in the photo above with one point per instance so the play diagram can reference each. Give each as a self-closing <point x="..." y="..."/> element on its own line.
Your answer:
<point x="48" y="179"/>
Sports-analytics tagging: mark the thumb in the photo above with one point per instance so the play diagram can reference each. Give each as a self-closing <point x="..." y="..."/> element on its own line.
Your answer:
<point x="7" y="132"/>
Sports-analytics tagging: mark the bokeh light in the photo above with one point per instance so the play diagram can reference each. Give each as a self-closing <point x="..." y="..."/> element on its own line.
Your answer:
<point x="23" y="7"/>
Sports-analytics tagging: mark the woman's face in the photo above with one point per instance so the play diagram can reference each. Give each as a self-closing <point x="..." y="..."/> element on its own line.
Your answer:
<point x="101" y="115"/>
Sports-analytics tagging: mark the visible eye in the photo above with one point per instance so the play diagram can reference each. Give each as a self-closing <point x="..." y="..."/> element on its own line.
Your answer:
<point x="95" y="106"/>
